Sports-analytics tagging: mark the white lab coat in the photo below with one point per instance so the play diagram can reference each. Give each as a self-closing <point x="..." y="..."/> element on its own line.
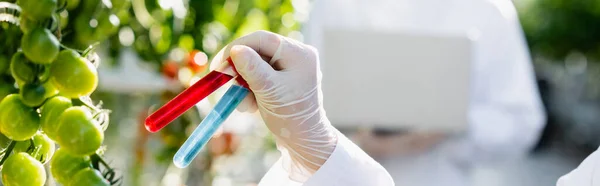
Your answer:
<point x="348" y="165"/>
<point x="505" y="113"/>
<point x="587" y="174"/>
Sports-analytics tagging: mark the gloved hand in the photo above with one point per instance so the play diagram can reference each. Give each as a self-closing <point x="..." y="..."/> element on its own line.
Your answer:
<point x="285" y="79"/>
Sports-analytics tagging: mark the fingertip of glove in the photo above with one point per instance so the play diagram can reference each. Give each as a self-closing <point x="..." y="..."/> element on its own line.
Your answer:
<point x="240" y="53"/>
<point x="236" y="48"/>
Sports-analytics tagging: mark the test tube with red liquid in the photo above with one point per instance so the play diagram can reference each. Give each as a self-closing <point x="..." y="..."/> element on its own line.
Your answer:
<point x="191" y="96"/>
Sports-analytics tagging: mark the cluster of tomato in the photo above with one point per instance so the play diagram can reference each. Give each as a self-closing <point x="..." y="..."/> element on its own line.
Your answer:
<point x="47" y="102"/>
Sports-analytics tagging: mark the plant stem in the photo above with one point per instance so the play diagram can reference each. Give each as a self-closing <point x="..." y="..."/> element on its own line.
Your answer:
<point x="66" y="47"/>
<point x="8" y="151"/>
<point x="99" y="158"/>
<point x="90" y="49"/>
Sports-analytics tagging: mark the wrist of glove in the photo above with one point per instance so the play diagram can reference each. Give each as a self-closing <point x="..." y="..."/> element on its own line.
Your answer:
<point x="306" y="139"/>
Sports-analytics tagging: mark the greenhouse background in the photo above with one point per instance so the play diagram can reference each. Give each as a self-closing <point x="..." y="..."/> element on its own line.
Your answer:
<point x="147" y="51"/>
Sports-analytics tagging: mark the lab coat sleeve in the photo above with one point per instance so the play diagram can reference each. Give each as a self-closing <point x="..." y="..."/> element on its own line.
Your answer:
<point x="586" y="174"/>
<point x="348" y="165"/>
<point x="506" y="114"/>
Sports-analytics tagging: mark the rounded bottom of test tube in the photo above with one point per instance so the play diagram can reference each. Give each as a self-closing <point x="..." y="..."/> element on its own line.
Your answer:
<point x="180" y="163"/>
<point x="150" y="126"/>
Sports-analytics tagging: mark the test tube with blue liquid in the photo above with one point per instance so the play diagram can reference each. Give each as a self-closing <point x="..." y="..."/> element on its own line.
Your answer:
<point x="209" y="125"/>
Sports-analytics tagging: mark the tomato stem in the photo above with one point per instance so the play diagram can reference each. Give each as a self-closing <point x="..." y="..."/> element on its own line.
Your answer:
<point x="8" y="151"/>
<point x="101" y="160"/>
<point x="90" y="49"/>
<point x="109" y="174"/>
<point x="31" y="147"/>
<point x="87" y="101"/>
<point x="69" y="48"/>
<point x="95" y="161"/>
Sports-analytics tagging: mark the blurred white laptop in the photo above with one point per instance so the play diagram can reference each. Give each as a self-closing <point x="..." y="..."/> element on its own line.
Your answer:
<point x="396" y="80"/>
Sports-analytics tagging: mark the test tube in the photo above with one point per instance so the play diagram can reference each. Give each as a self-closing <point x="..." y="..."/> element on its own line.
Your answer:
<point x="191" y="96"/>
<point x="209" y="125"/>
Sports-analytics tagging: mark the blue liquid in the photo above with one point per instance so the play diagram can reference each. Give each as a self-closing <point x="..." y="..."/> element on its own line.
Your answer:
<point x="202" y="134"/>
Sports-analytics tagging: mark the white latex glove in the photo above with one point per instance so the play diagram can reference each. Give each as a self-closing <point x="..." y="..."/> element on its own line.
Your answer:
<point x="285" y="79"/>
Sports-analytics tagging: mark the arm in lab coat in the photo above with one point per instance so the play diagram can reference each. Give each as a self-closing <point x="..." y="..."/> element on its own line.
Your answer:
<point x="348" y="165"/>
<point x="587" y="174"/>
<point x="506" y="114"/>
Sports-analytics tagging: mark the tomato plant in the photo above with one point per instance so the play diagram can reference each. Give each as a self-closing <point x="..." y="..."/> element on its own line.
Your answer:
<point x="18" y="121"/>
<point x="21" y="69"/>
<point x="77" y="132"/>
<point x="50" y="112"/>
<point x="73" y="75"/>
<point x="46" y="77"/>
<point x="22" y="169"/>
<point x="38" y="9"/>
<point x="88" y="176"/>
<point x="33" y="95"/>
<point x="40" y="46"/>
<point x="64" y="166"/>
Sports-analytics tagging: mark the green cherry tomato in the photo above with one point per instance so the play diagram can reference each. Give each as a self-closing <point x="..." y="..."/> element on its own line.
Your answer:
<point x="17" y="121"/>
<point x="40" y="46"/>
<point x="41" y="150"/>
<point x="22" y="169"/>
<point x="89" y="177"/>
<point x="73" y="75"/>
<point x="33" y="95"/>
<point x="38" y="9"/>
<point x="50" y="112"/>
<point x="21" y="69"/>
<point x="78" y="132"/>
<point x="64" y="166"/>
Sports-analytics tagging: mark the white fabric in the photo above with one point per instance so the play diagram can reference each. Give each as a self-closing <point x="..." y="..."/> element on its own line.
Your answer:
<point x="505" y="114"/>
<point x="348" y="165"/>
<point x="587" y="174"/>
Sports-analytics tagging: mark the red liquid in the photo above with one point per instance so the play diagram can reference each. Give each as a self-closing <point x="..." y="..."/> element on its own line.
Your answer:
<point x="186" y="100"/>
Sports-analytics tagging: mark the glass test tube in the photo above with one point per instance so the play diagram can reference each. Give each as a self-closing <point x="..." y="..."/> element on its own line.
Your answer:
<point x="202" y="134"/>
<point x="191" y="96"/>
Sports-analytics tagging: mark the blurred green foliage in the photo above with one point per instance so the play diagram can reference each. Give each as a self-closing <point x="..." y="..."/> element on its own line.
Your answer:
<point x="161" y="26"/>
<point x="554" y="28"/>
<point x="91" y="21"/>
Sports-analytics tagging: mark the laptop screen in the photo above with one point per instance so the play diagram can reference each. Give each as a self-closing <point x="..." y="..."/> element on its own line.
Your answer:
<point x="396" y="80"/>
